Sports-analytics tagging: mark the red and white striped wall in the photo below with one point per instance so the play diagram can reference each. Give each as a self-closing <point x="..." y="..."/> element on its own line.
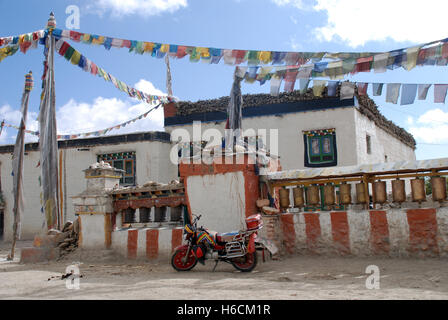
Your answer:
<point x="393" y="232"/>
<point x="146" y="243"/>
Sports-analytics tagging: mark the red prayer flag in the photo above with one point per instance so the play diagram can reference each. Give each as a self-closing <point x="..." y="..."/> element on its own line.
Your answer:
<point x="362" y="88"/>
<point x="181" y="52"/>
<point x="63" y="48"/>
<point x="75" y="35"/>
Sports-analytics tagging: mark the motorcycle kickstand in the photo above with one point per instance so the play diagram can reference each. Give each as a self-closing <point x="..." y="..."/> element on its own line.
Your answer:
<point x="216" y="263"/>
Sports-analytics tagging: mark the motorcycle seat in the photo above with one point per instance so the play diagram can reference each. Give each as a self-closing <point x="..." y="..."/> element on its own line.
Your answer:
<point x="226" y="237"/>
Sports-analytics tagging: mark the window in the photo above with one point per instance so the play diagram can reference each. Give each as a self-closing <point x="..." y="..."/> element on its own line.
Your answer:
<point x="320" y="148"/>
<point x="124" y="161"/>
<point x="368" y="144"/>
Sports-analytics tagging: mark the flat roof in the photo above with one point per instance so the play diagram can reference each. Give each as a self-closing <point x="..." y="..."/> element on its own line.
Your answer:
<point x="160" y="136"/>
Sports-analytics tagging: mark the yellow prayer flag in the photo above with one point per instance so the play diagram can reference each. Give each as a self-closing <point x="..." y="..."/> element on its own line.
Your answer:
<point x="148" y="46"/>
<point x="86" y="37"/>
<point x="203" y="52"/>
<point x="265" y="56"/>
<point x="75" y="57"/>
<point x="411" y="57"/>
<point x="318" y="87"/>
<point x="165" y="48"/>
<point x="100" y="40"/>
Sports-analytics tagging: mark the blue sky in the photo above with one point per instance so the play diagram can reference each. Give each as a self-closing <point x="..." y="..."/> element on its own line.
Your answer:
<point x="86" y="103"/>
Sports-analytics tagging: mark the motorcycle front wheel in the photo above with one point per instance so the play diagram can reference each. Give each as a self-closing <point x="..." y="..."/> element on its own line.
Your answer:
<point x="246" y="263"/>
<point x="177" y="260"/>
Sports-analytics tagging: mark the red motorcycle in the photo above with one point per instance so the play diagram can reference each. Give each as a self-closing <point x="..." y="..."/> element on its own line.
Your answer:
<point x="237" y="248"/>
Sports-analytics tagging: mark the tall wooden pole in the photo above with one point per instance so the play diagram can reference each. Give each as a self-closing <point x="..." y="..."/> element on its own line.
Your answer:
<point x="19" y="150"/>
<point x="48" y="135"/>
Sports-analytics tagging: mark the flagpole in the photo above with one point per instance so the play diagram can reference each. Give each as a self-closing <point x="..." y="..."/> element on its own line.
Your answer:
<point x="47" y="135"/>
<point x="19" y="150"/>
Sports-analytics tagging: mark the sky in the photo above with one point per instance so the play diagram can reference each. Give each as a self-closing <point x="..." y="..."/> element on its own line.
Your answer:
<point x="87" y="103"/>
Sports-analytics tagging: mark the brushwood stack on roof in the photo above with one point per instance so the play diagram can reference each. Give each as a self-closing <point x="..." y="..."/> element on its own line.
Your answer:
<point x="366" y="106"/>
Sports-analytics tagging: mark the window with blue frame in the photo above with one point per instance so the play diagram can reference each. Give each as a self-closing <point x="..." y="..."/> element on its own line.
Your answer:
<point x="320" y="148"/>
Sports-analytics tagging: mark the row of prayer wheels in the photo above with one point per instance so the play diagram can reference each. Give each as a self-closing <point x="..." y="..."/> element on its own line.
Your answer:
<point x="312" y="196"/>
<point x="379" y="195"/>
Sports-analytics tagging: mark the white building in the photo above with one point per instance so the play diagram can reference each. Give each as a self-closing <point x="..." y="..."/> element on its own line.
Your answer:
<point x="312" y="132"/>
<point x="143" y="156"/>
<point x="353" y="131"/>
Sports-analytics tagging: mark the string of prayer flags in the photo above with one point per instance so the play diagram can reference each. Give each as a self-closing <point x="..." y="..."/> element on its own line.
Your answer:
<point x="8" y="51"/>
<point x="355" y="61"/>
<point x="76" y="58"/>
<point x="409" y="91"/>
<point x="24" y="41"/>
<point x="379" y="63"/>
<point x="87" y="134"/>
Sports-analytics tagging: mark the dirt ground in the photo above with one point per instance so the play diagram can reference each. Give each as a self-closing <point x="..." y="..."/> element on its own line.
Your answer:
<point x="106" y="276"/>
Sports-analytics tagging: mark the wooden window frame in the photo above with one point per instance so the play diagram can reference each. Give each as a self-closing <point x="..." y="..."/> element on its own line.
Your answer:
<point x="308" y="141"/>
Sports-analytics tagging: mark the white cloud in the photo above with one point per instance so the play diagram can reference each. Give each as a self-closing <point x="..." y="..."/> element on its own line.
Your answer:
<point x="120" y="8"/>
<point x="358" y="22"/>
<point x="431" y="127"/>
<point x="13" y="117"/>
<point x="79" y="117"/>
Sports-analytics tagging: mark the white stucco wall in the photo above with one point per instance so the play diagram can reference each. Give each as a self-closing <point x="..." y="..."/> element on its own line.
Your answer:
<point x="151" y="164"/>
<point x="382" y="143"/>
<point x="219" y="199"/>
<point x="93" y="233"/>
<point x="290" y="136"/>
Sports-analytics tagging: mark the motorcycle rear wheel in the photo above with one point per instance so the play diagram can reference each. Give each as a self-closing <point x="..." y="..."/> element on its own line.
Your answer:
<point x="246" y="263"/>
<point x="176" y="260"/>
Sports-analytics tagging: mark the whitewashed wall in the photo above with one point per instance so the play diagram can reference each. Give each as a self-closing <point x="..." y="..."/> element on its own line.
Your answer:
<point x="290" y="136"/>
<point x="219" y="199"/>
<point x="382" y="143"/>
<point x="151" y="164"/>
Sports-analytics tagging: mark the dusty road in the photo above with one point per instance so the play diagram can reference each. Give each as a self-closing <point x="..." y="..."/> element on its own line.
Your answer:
<point x="106" y="276"/>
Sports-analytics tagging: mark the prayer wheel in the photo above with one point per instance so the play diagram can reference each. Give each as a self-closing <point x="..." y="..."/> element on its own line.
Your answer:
<point x="438" y="185"/>
<point x="379" y="194"/>
<point x="418" y="190"/>
<point x="361" y="196"/>
<point x="329" y="195"/>
<point x="284" y="198"/>
<point x="345" y="193"/>
<point x="398" y="191"/>
<point x="312" y="195"/>
<point x="299" y="200"/>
